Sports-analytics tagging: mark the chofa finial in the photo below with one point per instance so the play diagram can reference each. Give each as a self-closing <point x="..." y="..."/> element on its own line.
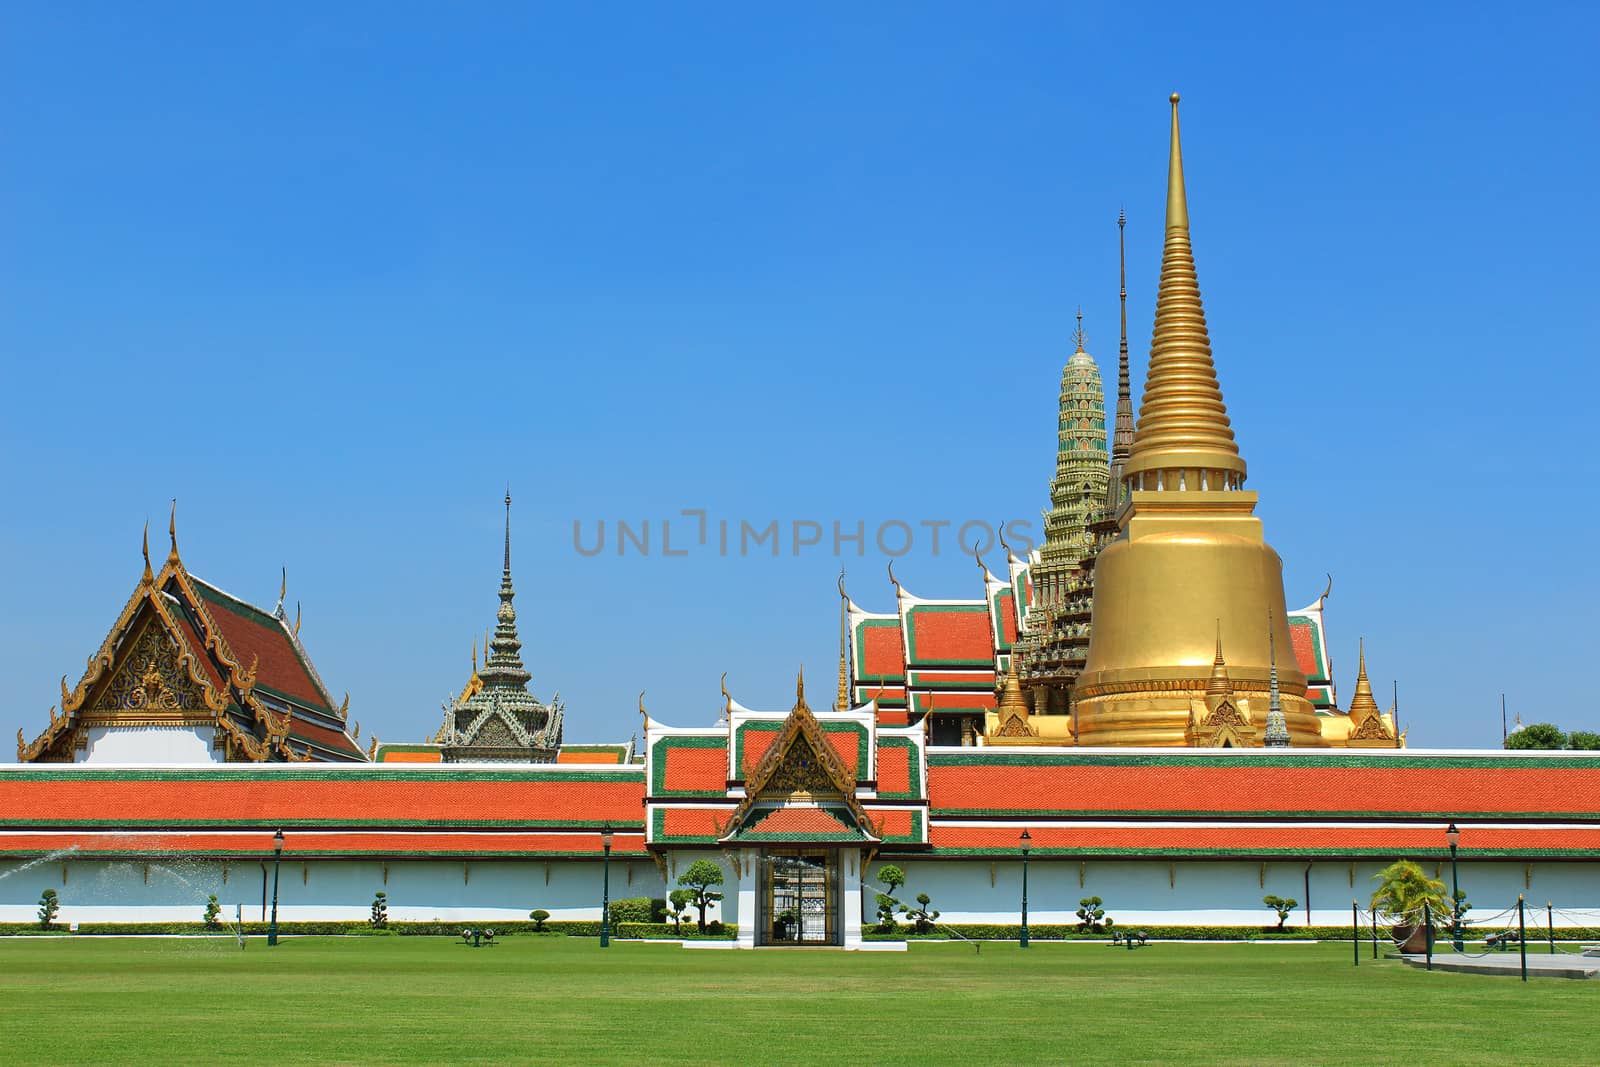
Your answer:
<point x="172" y="532"/>
<point x="148" y="578"/>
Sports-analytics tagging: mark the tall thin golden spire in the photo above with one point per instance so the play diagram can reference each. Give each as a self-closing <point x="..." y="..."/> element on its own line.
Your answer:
<point x="841" y="700"/>
<point x="1184" y="440"/>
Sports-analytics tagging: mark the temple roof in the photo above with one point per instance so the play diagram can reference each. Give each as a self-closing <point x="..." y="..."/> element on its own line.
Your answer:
<point x="219" y="661"/>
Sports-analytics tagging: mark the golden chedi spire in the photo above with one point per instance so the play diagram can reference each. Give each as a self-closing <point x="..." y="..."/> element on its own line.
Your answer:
<point x="1189" y="550"/>
<point x="1183" y="439"/>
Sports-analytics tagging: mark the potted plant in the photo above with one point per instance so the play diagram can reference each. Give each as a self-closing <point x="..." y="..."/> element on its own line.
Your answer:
<point x="1405" y="894"/>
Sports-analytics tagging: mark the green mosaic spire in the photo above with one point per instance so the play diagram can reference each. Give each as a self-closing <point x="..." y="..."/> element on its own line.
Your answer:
<point x="1082" y="468"/>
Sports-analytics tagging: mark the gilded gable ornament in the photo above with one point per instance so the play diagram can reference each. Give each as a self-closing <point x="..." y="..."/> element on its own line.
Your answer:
<point x="800" y="771"/>
<point x="1225" y="715"/>
<point x="152" y="678"/>
<point x="1371" y="729"/>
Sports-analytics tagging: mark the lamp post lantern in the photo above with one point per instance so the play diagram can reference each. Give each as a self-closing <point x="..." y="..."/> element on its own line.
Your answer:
<point x="277" y="854"/>
<point x="1027" y="843"/>
<point x="605" y="887"/>
<point x="1453" y="835"/>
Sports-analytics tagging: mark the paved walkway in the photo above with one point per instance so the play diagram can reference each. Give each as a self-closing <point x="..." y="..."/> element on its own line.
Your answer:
<point x="1540" y="964"/>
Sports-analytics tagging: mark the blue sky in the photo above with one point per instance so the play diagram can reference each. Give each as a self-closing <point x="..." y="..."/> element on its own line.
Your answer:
<point x="332" y="277"/>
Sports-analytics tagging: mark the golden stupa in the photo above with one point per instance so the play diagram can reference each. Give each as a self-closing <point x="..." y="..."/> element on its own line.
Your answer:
<point x="1190" y="572"/>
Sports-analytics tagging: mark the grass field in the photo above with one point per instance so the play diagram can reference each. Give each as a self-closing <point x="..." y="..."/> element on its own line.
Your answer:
<point x="557" y="999"/>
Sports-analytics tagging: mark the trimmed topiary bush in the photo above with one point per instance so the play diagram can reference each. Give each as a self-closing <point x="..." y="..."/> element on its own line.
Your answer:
<point x="1284" y="906"/>
<point x="631" y="910"/>
<point x="49" y="907"/>
<point x="213" y="916"/>
<point x="700" y="877"/>
<point x="539" y="917"/>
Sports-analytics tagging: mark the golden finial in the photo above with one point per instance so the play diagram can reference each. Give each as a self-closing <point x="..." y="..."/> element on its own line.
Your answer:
<point x="355" y="735"/>
<point x="800" y="687"/>
<point x="1325" y="592"/>
<point x="147" y="578"/>
<point x="895" y="581"/>
<point x="22" y="745"/>
<point x="842" y="594"/>
<point x="172" y="532"/>
<point x="979" y="557"/>
<point x="1177" y="199"/>
<point x="297" y="618"/>
<point x="344" y="708"/>
<point x="474" y="655"/>
<point x="1000" y="531"/>
<point x="1080" y="338"/>
<point x="372" y="749"/>
<point x="644" y="714"/>
<point x="283" y="584"/>
<point x="727" y="701"/>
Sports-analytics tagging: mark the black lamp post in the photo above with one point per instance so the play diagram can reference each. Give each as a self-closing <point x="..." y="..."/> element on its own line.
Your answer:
<point x="1453" y="835"/>
<point x="1027" y="843"/>
<point x="605" y="887"/>
<point x="277" y="853"/>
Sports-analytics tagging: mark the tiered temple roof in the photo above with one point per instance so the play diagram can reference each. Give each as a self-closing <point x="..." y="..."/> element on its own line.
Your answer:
<point x="185" y="656"/>
<point x="496" y="718"/>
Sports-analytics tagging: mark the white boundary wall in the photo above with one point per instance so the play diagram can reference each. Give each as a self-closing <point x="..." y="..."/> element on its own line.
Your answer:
<point x="1151" y="892"/>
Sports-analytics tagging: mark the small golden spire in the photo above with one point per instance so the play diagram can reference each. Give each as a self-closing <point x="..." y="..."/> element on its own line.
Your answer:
<point x="800" y="688"/>
<point x="172" y="532"/>
<point x="1219" y="685"/>
<point x="474" y="657"/>
<point x="1079" y="338"/>
<point x="147" y="578"/>
<point x="1183" y="423"/>
<point x="283" y="585"/>
<point x="297" y="618"/>
<point x="1012" y="702"/>
<point x="1362" y="705"/>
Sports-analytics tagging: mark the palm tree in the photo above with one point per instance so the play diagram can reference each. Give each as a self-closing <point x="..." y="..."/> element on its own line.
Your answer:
<point x="1404" y="889"/>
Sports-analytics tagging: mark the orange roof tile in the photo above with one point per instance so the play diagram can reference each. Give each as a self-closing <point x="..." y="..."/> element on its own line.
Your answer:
<point x="1155" y="784"/>
<point x="310" y="797"/>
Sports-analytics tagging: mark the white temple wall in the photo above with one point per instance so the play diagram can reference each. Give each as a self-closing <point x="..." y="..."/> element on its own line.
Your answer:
<point x="1135" y="892"/>
<point x="320" y="889"/>
<point x="151" y="744"/>
<point x="1210" y="893"/>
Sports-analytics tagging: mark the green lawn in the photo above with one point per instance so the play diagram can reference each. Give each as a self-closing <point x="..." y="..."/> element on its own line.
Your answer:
<point x="557" y="999"/>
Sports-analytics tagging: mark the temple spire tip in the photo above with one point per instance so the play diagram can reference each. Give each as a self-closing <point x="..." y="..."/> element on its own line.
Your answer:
<point x="1177" y="201"/>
